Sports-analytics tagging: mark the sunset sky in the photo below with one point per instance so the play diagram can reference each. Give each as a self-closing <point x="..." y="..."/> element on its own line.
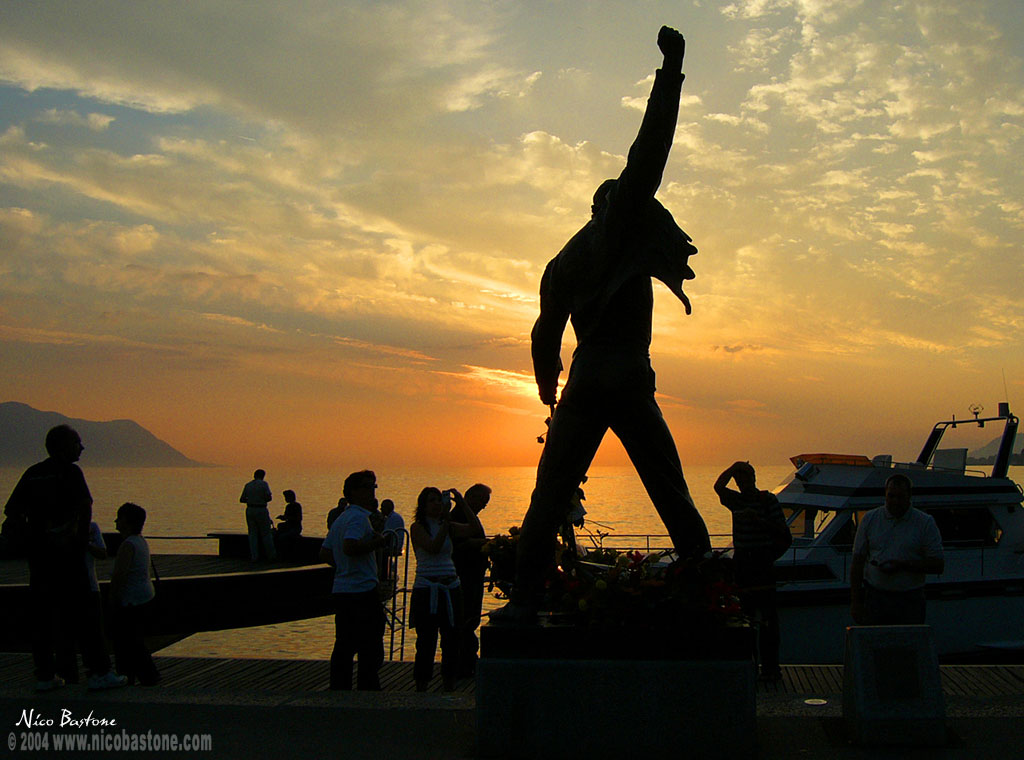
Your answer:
<point x="313" y="232"/>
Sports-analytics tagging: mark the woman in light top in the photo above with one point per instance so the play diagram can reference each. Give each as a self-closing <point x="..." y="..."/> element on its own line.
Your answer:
<point x="131" y="596"/>
<point x="436" y="596"/>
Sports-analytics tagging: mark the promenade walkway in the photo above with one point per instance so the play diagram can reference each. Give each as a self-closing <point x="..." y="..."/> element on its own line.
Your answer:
<point x="257" y="709"/>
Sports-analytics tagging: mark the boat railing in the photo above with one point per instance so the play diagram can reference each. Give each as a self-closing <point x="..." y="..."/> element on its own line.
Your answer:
<point x="938" y="468"/>
<point x="966" y="549"/>
<point x="642" y="542"/>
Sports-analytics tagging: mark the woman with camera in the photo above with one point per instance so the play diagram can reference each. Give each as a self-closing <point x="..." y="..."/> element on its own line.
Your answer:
<point x="436" y="595"/>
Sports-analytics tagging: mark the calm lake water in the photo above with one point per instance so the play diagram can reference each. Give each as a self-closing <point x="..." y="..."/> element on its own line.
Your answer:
<point x="191" y="502"/>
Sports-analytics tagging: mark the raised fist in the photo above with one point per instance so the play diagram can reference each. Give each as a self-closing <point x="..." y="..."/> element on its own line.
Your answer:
<point x="671" y="43"/>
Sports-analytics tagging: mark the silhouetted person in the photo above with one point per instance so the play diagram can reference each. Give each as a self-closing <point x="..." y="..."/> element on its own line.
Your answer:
<point x="256" y="495"/>
<point x="393" y="528"/>
<point x="895" y="547"/>
<point x="288" y="532"/>
<point x="394" y="523"/>
<point x="601" y="280"/>
<point x="471" y="566"/>
<point x="131" y="598"/>
<point x="95" y="549"/>
<point x="332" y="515"/>
<point x="437" y="592"/>
<point x="53" y="503"/>
<point x="756" y="518"/>
<point x="359" y="618"/>
<point x="575" y="518"/>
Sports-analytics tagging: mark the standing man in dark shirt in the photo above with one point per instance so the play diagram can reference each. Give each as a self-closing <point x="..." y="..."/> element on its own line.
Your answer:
<point x="53" y="502"/>
<point x="471" y="566"/>
<point x="758" y="528"/>
<point x="256" y="495"/>
<point x="601" y="280"/>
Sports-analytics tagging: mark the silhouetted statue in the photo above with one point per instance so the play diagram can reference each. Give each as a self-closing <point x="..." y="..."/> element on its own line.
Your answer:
<point x="601" y="281"/>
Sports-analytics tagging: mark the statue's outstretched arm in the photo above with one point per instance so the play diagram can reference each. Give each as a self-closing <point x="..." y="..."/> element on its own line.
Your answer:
<point x="648" y="155"/>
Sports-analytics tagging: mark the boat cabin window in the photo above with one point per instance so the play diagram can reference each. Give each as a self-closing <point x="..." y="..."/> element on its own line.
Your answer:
<point x="807" y="522"/>
<point x="966" y="527"/>
<point x="963" y="527"/>
<point x="842" y="539"/>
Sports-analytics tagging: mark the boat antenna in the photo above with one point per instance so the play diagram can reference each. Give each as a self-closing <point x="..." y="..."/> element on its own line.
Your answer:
<point x="1006" y="393"/>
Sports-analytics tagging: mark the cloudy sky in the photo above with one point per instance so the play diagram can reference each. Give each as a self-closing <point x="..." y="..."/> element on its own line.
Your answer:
<point x="312" y="232"/>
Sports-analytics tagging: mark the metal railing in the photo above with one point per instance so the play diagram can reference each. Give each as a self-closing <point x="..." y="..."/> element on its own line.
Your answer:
<point x="643" y="542"/>
<point x="395" y="597"/>
<point x="394" y="583"/>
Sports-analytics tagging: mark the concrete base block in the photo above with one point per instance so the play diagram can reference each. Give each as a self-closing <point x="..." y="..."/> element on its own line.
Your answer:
<point x="892" y="688"/>
<point x="544" y="708"/>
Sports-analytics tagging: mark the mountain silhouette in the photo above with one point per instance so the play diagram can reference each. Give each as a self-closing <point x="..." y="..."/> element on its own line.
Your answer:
<point x="118" y="443"/>
<point x="987" y="453"/>
<point x="991" y="448"/>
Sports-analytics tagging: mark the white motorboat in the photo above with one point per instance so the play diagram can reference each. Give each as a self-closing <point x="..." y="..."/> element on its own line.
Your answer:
<point x="977" y="603"/>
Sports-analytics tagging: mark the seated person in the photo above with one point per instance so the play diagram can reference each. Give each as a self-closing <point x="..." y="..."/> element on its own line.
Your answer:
<point x="288" y="531"/>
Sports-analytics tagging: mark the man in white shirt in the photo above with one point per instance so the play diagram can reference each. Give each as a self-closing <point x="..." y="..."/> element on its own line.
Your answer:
<point x="256" y="495"/>
<point x="895" y="547"/>
<point x="359" y="616"/>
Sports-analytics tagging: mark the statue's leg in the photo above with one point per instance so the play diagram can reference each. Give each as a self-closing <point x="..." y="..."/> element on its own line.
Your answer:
<point x="640" y="426"/>
<point x="575" y="434"/>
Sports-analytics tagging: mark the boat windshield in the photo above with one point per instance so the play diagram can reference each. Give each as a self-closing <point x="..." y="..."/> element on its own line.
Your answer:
<point x="966" y="527"/>
<point x="960" y="528"/>
<point x="807" y="522"/>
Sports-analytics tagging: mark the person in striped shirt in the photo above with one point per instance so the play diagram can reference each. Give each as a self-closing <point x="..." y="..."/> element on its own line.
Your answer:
<point x="756" y="519"/>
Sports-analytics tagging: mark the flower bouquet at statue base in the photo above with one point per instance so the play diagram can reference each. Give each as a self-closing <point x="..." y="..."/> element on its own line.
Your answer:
<point x="662" y="606"/>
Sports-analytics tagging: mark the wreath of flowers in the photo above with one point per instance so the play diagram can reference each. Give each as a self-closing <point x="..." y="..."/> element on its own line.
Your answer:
<point x="613" y="587"/>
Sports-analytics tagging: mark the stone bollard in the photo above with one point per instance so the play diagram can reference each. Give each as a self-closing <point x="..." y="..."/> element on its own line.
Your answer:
<point x="892" y="688"/>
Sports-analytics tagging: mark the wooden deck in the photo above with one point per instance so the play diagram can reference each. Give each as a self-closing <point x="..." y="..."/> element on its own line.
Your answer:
<point x="291" y="676"/>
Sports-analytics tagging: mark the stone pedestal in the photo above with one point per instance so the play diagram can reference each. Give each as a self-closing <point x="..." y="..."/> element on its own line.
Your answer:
<point x="892" y="688"/>
<point x="544" y="692"/>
